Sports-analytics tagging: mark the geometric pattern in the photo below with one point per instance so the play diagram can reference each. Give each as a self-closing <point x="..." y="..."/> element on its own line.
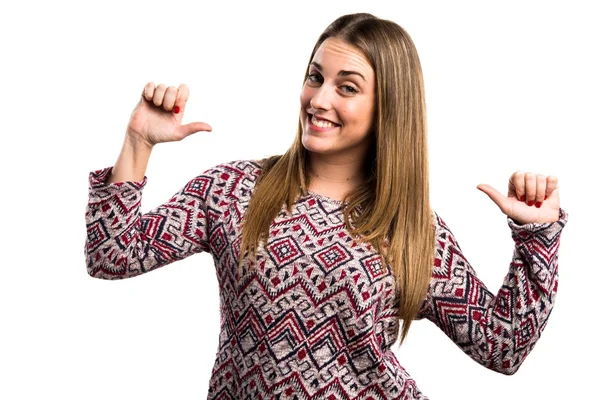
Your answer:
<point x="498" y="331"/>
<point x="332" y="257"/>
<point x="316" y="316"/>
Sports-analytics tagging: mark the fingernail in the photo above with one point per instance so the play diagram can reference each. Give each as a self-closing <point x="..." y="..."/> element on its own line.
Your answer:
<point x="522" y="198"/>
<point x="538" y="204"/>
<point x="176" y="109"/>
<point x="530" y="203"/>
<point x="546" y="198"/>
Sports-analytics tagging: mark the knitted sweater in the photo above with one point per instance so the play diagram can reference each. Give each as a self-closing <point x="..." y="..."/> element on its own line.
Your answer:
<point x="316" y="316"/>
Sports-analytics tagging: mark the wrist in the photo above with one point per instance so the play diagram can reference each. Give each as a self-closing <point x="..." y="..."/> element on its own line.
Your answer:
<point x="132" y="161"/>
<point x="135" y="143"/>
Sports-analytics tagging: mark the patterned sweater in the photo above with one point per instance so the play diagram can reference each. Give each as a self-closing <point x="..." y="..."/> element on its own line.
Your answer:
<point x="315" y="317"/>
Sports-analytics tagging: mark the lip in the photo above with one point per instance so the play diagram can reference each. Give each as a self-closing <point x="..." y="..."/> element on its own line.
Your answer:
<point x="320" y="118"/>
<point x="318" y="128"/>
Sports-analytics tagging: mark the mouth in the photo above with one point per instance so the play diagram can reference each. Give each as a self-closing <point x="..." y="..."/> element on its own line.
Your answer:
<point x="320" y="124"/>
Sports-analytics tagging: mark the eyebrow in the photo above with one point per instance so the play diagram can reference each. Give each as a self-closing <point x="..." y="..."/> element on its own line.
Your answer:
<point x="341" y="73"/>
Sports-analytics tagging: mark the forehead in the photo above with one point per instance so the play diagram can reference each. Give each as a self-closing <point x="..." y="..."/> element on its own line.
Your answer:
<point x="336" y="55"/>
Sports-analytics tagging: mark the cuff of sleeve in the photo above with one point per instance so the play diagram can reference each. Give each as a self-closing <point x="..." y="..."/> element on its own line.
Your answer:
<point x="531" y="229"/>
<point x="100" y="189"/>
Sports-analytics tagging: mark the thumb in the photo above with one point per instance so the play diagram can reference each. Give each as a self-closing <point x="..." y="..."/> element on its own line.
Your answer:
<point x="496" y="196"/>
<point x="193" y="127"/>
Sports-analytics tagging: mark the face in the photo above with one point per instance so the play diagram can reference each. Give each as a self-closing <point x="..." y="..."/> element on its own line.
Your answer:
<point x="338" y="101"/>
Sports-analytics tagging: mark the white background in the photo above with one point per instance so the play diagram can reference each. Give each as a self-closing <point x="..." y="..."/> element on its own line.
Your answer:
<point x="509" y="85"/>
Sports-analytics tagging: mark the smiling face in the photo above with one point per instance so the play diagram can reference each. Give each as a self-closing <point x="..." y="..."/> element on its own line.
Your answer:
<point x="338" y="102"/>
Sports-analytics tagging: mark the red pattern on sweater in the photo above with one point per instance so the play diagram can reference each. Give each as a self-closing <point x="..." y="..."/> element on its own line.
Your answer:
<point x="315" y="318"/>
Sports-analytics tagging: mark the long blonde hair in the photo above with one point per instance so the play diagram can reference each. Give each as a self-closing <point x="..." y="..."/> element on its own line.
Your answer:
<point x="395" y="215"/>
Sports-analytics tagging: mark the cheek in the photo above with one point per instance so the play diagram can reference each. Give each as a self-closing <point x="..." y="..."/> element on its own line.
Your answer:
<point x="305" y="97"/>
<point x="361" y="114"/>
<point x="354" y="114"/>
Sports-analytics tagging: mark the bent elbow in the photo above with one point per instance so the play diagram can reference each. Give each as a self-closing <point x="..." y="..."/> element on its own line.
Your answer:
<point x="508" y="366"/>
<point x="109" y="271"/>
<point x="99" y="274"/>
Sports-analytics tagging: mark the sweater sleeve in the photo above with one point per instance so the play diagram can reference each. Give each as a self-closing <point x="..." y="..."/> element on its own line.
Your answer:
<point x="122" y="243"/>
<point x="496" y="331"/>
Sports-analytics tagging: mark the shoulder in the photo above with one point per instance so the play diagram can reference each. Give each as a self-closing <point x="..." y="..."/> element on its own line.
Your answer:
<point x="247" y="168"/>
<point x="444" y="238"/>
<point x="439" y="224"/>
<point x="231" y="179"/>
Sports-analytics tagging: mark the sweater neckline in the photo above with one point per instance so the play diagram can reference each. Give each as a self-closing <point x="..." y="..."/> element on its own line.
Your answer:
<point x="325" y="198"/>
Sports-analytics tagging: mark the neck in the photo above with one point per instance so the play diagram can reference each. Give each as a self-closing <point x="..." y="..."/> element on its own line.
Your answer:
<point x="344" y="172"/>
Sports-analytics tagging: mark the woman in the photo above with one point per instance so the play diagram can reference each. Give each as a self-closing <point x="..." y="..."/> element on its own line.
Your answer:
<point x="322" y="251"/>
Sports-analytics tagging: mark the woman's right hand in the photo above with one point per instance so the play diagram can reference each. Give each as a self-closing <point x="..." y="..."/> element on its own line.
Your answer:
<point x="157" y="117"/>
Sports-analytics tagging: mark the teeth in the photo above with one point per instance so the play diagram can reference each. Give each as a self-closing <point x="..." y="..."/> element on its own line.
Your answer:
<point x="321" y="123"/>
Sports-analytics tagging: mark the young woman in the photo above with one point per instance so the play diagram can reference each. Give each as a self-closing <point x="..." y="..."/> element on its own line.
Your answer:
<point x="322" y="251"/>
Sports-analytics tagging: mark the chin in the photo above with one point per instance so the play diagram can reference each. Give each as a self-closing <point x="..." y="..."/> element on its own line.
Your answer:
<point x="314" y="145"/>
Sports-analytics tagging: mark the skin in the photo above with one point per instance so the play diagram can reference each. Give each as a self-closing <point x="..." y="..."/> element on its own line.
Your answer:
<point x="152" y="121"/>
<point x="337" y="152"/>
<point x="340" y="88"/>
<point x="531" y="198"/>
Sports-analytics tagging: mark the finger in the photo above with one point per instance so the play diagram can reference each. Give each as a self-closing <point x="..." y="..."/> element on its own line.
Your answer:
<point x="496" y="196"/>
<point x="551" y="185"/>
<point x="183" y="93"/>
<point x="169" y="99"/>
<point x="530" y="188"/>
<point x="159" y="94"/>
<point x="540" y="194"/>
<point x="148" y="91"/>
<point x="193" y="127"/>
<point x="516" y="185"/>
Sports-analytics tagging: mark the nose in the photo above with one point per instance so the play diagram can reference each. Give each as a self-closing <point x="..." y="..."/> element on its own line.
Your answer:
<point x="321" y="99"/>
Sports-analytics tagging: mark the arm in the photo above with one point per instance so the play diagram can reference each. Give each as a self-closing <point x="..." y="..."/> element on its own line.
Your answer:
<point x="132" y="162"/>
<point x="496" y="331"/>
<point x="122" y="243"/>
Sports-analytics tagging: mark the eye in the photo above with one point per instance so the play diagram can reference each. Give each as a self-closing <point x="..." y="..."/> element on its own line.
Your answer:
<point x="349" y="89"/>
<point x="314" y="78"/>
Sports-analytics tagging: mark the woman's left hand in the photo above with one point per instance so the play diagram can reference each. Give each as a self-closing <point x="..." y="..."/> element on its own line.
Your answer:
<point x="531" y="198"/>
